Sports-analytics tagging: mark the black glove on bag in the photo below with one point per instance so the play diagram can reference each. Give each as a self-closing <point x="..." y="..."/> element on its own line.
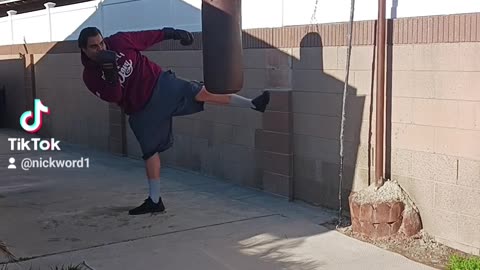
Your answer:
<point x="108" y="60"/>
<point x="185" y="37"/>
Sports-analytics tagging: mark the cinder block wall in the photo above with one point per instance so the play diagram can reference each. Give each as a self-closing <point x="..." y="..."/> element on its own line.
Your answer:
<point x="318" y="82"/>
<point x="76" y="116"/>
<point x="435" y="136"/>
<point x="12" y="79"/>
<point x="52" y="72"/>
<point x="432" y="123"/>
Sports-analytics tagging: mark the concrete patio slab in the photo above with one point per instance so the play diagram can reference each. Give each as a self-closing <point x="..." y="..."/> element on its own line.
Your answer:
<point x="53" y="217"/>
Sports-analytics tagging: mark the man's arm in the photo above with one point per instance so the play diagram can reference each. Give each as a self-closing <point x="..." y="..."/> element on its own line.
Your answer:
<point x="141" y="40"/>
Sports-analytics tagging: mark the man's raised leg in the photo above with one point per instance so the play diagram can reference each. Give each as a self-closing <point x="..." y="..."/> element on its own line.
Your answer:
<point x="259" y="103"/>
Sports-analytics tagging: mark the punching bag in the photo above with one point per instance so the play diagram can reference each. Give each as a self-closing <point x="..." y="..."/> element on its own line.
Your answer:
<point x="222" y="46"/>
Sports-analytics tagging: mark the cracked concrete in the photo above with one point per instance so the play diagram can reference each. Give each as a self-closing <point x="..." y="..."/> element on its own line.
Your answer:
<point x="58" y="216"/>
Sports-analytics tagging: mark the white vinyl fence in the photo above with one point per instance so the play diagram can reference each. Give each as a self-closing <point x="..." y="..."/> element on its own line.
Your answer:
<point x="64" y="23"/>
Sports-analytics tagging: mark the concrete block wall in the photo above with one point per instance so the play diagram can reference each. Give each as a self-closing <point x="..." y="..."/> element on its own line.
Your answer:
<point x="435" y="136"/>
<point x="52" y="72"/>
<point x="318" y="83"/>
<point x="12" y="79"/>
<point x="76" y="115"/>
<point x="432" y="121"/>
<point x="275" y="145"/>
<point x="434" y="132"/>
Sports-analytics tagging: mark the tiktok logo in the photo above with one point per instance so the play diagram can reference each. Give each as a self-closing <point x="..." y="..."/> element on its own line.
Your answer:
<point x="38" y="109"/>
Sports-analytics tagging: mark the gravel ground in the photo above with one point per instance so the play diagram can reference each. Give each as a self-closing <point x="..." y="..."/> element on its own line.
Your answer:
<point x="421" y="248"/>
<point x="389" y="192"/>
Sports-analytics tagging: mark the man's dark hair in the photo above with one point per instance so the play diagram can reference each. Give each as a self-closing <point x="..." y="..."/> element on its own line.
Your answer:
<point x="85" y="34"/>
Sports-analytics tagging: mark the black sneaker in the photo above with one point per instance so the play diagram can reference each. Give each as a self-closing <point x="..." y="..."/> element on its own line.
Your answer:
<point x="148" y="206"/>
<point x="261" y="101"/>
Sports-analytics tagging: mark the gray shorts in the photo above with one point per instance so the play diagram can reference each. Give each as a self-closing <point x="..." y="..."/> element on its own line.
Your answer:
<point x="171" y="97"/>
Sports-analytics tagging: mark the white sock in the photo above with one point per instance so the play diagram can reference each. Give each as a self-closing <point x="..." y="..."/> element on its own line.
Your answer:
<point x="154" y="186"/>
<point x="241" y="101"/>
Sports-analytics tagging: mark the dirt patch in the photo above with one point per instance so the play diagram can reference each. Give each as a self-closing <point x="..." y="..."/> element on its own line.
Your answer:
<point x="421" y="248"/>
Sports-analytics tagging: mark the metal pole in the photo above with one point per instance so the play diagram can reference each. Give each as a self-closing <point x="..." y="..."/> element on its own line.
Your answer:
<point x="379" y="171"/>
<point x="48" y="6"/>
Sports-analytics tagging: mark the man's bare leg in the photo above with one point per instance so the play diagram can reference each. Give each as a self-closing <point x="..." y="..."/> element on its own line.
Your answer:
<point x="259" y="103"/>
<point x="152" y="166"/>
<point x="208" y="97"/>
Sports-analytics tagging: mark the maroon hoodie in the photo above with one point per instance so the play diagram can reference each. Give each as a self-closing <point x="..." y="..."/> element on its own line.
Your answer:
<point x="137" y="75"/>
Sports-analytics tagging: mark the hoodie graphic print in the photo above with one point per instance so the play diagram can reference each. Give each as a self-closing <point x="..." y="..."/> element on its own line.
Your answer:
<point x="137" y="75"/>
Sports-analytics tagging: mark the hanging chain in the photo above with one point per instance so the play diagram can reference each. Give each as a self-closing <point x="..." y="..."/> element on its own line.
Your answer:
<point x="313" y="19"/>
<point x="314" y="15"/>
<point x="343" y="120"/>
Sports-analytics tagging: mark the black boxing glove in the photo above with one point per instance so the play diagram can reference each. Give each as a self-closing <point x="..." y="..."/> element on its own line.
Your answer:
<point x="185" y="37"/>
<point x="108" y="61"/>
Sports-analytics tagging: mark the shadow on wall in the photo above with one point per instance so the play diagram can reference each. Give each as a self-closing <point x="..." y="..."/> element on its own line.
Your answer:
<point x="14" y="101"/>
<point x="318" y="83"/>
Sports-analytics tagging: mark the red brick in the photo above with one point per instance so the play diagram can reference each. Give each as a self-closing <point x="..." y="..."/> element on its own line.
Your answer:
<point x="381" y="230"/>
<point x="367" y="228"/>
<point x="366" y="213"/>
<point x="396" y="211"/>
<point x="356" y="226"/>
<point x="387" y="212"/>
<point x="354" y="209"/>
<point x="411" y="223"/>
<point x="394" y="227"/>
<point x="381" y="213"/>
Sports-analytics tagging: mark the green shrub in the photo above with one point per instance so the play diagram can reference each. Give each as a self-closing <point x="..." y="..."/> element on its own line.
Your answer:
<point x="463" y="263"/>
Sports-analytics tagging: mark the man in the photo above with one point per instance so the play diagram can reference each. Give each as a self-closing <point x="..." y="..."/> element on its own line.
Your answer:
<point x="116" y="72"/>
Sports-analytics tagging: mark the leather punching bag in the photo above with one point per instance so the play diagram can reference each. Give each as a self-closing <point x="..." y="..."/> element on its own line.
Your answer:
<point x="222" y="46"/>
